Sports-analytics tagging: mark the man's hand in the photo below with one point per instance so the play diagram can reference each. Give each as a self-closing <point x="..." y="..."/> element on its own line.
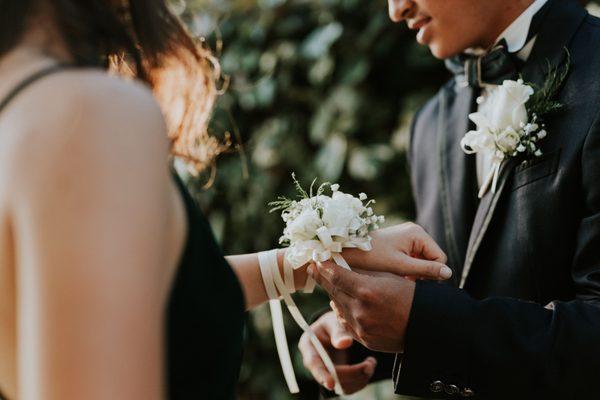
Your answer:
<point x="373" y="309"/>
<point x="336" y="341"/>
<point x="404" y="250"/>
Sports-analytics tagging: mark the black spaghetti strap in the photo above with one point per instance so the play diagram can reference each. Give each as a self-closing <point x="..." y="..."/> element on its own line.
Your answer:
<point x="28" y="81"/>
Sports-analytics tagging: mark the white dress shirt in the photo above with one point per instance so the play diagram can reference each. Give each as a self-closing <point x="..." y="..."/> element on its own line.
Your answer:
<point x="515" y="36"/>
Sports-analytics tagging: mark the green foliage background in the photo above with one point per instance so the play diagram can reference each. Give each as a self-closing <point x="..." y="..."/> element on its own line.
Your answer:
<point x="326" y="88"/>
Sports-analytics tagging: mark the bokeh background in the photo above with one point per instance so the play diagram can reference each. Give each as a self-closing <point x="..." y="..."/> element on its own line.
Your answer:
<point x="325" y="88"/>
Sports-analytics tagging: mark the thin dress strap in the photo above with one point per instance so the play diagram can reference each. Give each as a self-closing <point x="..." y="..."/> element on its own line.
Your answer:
<point x="18" y="89"/>
<point x="29" y="80"/>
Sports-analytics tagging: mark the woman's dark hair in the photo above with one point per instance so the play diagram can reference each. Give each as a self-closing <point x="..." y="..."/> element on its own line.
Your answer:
<point x="138" y="38"/>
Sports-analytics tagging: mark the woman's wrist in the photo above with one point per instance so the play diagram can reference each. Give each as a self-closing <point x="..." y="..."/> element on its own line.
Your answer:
<point x="356" y="258"/>
<point x="300" y="275"/>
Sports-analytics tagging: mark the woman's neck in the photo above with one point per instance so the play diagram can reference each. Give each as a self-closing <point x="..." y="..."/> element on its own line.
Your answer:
<point x="37" y="45"/>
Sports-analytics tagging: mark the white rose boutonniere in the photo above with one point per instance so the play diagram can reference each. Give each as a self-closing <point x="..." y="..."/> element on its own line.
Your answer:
<point x="511" y="124"/>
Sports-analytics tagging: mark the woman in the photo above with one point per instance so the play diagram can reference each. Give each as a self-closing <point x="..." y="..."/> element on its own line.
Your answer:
<point x="111" y="285"/>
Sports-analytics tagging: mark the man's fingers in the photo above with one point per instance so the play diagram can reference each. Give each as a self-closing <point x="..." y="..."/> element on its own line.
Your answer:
<point x="347" y="328"/>
<point x="356" y="376"/>
<point x="365" y="368"/>
<point x="312" y="361"/>
<point x="341" y="339"/>
<point x="337" y="310"/>
<point x="320" y="373"/>
<point x="337" y="280"/>
<point x="425" y="268"/>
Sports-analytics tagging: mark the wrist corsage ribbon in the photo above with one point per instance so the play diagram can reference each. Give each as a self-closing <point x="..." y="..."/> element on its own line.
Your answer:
<point x="318" y="228"/>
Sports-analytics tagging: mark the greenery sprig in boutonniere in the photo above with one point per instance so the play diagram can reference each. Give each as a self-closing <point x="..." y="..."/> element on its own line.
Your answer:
<point x="511" y="122"/>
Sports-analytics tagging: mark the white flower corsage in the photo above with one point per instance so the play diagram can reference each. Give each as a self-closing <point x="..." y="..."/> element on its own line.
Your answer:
<point x="318" y="227"/>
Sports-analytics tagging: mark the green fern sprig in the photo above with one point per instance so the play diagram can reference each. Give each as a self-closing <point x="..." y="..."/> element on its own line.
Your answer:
<point x="543" y="101"/>
<point x="282" y="203"/>
<point x="301" y="192"/>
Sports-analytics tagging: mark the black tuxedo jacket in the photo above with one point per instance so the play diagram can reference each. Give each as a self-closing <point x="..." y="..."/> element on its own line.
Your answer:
<point x="535" y="242"/>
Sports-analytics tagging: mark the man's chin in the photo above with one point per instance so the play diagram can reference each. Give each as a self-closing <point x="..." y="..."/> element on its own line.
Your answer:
<point x="442" y="52"/>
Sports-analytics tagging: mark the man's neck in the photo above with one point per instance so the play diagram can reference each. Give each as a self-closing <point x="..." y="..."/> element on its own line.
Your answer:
<point x="509" y="11"/>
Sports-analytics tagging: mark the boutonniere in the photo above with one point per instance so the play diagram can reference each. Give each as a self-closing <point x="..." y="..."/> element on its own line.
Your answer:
<point x="511" y="122"/>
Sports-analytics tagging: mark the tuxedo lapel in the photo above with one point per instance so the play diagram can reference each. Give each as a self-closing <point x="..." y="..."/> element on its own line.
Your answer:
<point x="456" y="171"/>
<point x="560" y="24"/>
<point x="483" y="217"/>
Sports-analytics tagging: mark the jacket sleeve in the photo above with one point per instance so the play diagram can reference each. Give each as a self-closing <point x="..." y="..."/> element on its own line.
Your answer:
<point x="500" y="348"/>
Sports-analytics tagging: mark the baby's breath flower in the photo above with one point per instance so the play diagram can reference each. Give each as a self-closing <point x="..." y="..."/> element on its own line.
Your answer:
<point x="542" y="134"/>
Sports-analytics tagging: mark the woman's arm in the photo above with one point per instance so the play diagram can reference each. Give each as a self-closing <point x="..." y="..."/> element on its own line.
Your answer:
<point x="247" y="270"/>
<point x="405" y="250"/>
<point x="92" y="216"/>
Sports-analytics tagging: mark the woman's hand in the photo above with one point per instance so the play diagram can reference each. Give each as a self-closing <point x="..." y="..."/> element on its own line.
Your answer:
<point x="405" y="250"/>
<point x="353" y="377"/>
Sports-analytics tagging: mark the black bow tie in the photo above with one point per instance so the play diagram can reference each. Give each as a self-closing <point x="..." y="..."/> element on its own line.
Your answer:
<point x="491" y="68"/>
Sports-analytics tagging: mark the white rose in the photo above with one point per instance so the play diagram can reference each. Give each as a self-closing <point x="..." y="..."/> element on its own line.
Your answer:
<point x="504" y="108"/>
<point x="342" y="211"/>
<point x="304" y="226"/>
<point x="507" y="140"/>
<point x="506" y="105"/>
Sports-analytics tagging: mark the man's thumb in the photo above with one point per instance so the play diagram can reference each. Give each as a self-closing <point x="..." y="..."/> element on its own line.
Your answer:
<point x="340" y="339"/>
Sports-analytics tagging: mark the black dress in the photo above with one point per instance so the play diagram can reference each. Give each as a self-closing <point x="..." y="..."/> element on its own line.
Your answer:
<point x="205" y="310"/>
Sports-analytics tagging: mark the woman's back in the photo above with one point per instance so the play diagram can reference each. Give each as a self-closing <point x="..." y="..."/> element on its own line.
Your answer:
<point x="92" y="227"/>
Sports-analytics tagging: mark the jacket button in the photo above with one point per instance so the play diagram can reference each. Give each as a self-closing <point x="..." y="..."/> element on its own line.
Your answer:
<point x="436" y="386"/>
<point x="466" y="392"/>
<point x="451" y="389"/>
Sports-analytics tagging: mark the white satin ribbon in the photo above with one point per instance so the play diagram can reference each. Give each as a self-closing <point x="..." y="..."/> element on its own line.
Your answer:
<point x="265" y="260"/>
<point x="491" y="179"/>
<point x="272" y="280"/>
<point x="329" y="246"/>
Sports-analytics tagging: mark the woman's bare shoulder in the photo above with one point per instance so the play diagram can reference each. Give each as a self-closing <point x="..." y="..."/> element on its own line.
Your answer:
<point x="89" y="97"/>
<point x="85" y="119"/>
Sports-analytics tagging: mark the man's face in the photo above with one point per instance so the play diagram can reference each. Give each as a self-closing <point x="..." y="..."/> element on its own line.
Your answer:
<point x="449" y="27"/>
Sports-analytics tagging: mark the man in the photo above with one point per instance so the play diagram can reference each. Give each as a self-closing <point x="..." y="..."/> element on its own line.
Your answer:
<point x="523" y="317"/>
